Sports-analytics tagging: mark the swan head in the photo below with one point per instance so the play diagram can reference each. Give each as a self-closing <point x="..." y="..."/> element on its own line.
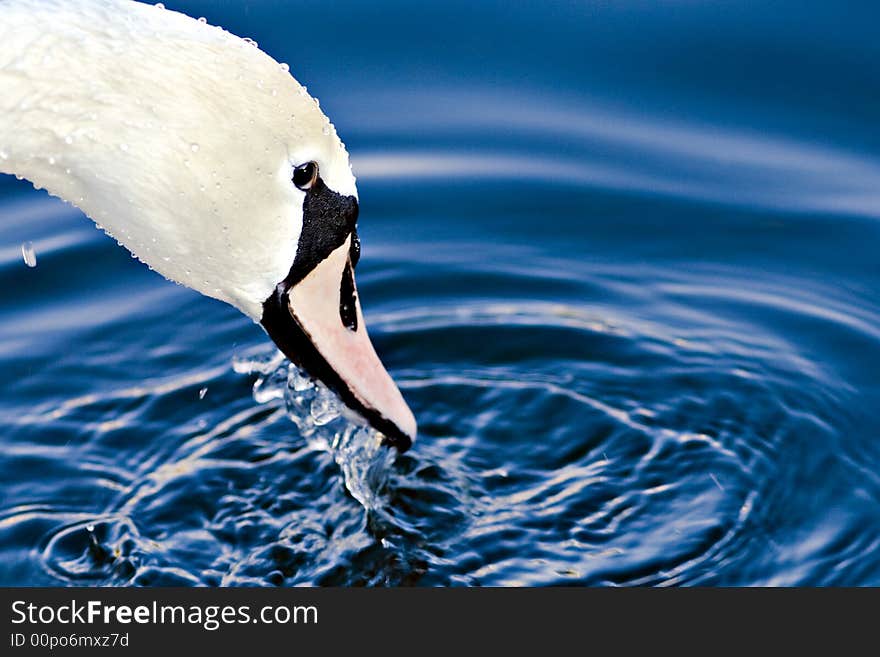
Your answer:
<point x="207" y="160"/>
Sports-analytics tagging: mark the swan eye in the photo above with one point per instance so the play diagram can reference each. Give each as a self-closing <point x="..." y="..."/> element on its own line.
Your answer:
<point x="305" y="175"/>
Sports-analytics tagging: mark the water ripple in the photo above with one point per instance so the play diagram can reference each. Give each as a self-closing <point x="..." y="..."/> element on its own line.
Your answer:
<point x="662" y="478"/>
<point x="642" y="350"/>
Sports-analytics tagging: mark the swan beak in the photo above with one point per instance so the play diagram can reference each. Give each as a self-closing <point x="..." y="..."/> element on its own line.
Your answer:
<point x="318" y="324"/>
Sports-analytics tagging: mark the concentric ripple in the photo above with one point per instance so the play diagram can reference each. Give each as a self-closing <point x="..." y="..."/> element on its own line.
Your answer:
<point x="559" y="444"/>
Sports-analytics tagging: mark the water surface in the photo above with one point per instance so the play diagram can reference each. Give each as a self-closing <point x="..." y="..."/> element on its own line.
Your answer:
<point x="621" y="257"/>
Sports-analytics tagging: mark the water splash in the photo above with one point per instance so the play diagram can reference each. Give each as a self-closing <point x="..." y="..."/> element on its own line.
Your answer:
<point x="29" y="254"/>
<point x="324" y="422"/>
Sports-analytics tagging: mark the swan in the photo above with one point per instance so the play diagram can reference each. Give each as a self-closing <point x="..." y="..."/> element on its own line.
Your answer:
<point x="209" y="162"/>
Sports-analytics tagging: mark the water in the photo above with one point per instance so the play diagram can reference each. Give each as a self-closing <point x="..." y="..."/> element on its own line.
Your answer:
<point x="621" y="257"/>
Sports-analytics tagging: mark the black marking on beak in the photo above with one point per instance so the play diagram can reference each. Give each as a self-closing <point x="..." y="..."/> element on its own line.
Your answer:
<point x="296" y="344"/>
<point x="348" y="299"/>
<point x="328" y="219"/>
<point x="354" y="254"/>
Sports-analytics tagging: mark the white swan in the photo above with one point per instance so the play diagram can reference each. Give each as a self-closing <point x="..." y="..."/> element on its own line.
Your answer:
<point x="209" y="162"/>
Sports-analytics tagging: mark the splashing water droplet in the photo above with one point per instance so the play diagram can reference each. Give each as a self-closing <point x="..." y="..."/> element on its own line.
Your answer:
<point x="285" y="67"/>
<point x="270" y="386"/>
<point x="264" y="363"/>
<point x="202" y="393"/>
<point x="202" y="19"/>
<point x="159" y="5"/>
<point x="324" y="407"/>
<point x="299" y="381"/>
<point x="322" y="420"/>
<point x="29" y="255"/>
<point x="251" y="42"/>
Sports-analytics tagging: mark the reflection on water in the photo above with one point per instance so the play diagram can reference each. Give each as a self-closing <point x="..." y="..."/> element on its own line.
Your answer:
<point x="630" y="291"/>
<point x="588" y="145"/>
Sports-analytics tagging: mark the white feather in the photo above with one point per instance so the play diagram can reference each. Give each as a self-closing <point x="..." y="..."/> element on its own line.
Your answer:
<point x="175" y="136"/>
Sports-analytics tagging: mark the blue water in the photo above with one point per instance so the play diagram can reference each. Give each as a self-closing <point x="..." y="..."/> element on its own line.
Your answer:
<point x="622" y="258"/>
